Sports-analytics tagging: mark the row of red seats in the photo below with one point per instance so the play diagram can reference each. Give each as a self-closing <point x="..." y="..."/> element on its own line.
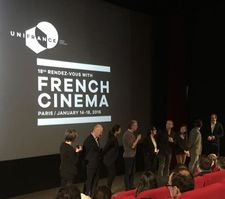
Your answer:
<point x="213" y="181"/>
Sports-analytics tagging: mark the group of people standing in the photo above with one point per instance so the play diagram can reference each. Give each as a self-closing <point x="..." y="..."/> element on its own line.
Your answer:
<point x="159" y="147"/>
<point x="93" y="154"/>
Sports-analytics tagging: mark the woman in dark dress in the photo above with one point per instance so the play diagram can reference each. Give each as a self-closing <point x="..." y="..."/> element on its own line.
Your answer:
<point x="69" y="158"/>
<point x="151" y="150"/>
<point x="181" y="144"/>
<point x="110" y="154"/>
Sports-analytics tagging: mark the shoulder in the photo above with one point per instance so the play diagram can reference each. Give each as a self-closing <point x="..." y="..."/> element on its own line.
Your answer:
<point x="89" y="138"/>
<point x="63" y="145"/>
<point x="219" y="124"/>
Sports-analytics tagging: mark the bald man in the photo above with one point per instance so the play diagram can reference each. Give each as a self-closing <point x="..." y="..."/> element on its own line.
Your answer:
<point x="92" y="157"/>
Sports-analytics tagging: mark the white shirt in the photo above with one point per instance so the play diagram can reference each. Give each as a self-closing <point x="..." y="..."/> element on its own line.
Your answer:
<point x="212" y="127"/>
<point x="96" y="139"/>
<point x="154" y="143"/>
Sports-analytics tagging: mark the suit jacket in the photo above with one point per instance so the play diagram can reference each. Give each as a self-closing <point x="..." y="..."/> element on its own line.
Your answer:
<point x="111" y="151"/>
<point x="69" y="159"/>
<point x="165" y="147"/>
<point x="148" y="146"/>
<point x="218" y="132"/>
<point x="92" y="152"/>
<point x="195" y="142"/>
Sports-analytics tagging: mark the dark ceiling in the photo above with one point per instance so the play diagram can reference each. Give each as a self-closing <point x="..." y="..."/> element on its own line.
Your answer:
<point x="165" y="7"/>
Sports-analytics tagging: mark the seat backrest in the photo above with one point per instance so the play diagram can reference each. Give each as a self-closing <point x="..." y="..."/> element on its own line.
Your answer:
<point x="122" y="194"/>
<point x="199" y="182"/>
<point x="214" y="177"/>
<point x="209" y="192"/>
<point x="159" y="193"/>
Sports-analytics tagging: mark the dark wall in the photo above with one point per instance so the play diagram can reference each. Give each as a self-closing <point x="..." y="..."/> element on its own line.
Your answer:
<point x="169" y="70"/>
<point x="206" y="73"/>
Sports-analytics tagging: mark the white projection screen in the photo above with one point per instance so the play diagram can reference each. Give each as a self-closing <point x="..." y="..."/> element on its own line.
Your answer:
<point x="69" y="64"/>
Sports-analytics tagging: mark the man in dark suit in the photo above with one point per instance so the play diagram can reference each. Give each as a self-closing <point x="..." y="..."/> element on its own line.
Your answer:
<point x="165" y="144"/>
<point x="93" y="158"/>
<point x="214" y="132"/>
<point x="194" y="145"/>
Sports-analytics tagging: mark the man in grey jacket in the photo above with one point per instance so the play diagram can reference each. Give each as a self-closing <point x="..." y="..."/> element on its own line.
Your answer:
<point x="194" y="147"/>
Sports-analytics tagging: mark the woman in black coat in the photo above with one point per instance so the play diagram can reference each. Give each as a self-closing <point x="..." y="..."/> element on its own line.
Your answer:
<point x="181" y="141"/>
<point x="69" y="158"/>
<point x="110" y="154"/>
<point x="151" y="150"/>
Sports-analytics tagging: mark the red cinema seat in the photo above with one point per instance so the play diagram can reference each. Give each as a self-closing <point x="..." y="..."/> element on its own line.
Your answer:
<point x="199" y="182"/>
<point x="212" y="191"/>
<point x="124" y="194"/>
<point x="214" y="177"/>
<point x="159" y="193"/>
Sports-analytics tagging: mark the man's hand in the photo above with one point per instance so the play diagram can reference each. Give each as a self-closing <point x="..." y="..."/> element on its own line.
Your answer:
<point x="209" y="138"/>
<point x="213" y="137"/>
<point x="187" y="153"/>
<point x="78" y="149"/>
<point x="171" y="139"/>
<point x="139" y="137"/>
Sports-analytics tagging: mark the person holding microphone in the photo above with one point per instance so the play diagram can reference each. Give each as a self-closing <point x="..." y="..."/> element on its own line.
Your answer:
<point x="130" y="142"/>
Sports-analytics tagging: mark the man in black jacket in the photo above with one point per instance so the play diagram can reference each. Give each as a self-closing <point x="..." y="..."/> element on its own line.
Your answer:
<point x="214" y="131"/>
<point x="165" y="144"/>
<point x="93" y="158"/>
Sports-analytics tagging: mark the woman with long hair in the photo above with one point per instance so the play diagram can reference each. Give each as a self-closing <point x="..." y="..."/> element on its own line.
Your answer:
<point x="151" y="150"/>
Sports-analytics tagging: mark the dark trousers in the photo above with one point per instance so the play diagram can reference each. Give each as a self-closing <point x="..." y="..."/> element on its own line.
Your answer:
<point x="129" y="164"/>
<point x="213" y="148"/>
<point x="164" y="164"/>
<point x="193" y="162"/>
<point x="150" y="162"/>
<point x="91" y="181"/>
<point x="66" y="180"/>
<point x="111" y="174"/>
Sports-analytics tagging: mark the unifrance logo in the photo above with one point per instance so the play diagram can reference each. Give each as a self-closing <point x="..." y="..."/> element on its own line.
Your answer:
<point x="39" y="38"/>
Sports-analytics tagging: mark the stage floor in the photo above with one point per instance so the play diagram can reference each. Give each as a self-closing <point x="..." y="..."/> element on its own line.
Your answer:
<point x="118" y="186"/>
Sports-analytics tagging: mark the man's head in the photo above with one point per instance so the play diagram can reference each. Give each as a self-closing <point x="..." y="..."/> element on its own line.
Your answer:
<point x="169" y="124"/>
<point x="181" y="182"/>
<point x="133" y="125"/>
<point x="198" y="123"/>
<point x="213" y="118"/>
<point x="97" y="130"/>
<point x="102" y="192"/>
<point x="183" y="129"/>
<point x="68" y="192"/>
<point x="221" y="163"/>
<point x="205" y="164"/>
<point x="147" y="181"/>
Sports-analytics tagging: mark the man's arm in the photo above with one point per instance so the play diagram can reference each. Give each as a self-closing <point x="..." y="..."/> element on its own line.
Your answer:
<point x="220" y="132"/>
<point x="192" y="139"/>
<point x="136" y="141"/>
